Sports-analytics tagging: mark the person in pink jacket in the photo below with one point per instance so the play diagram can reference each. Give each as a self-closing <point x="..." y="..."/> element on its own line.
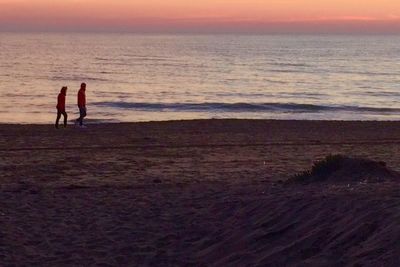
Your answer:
<point x="61" y="106"/>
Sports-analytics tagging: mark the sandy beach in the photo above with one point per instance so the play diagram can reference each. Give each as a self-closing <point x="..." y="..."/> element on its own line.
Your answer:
<point x="195" y="193"/>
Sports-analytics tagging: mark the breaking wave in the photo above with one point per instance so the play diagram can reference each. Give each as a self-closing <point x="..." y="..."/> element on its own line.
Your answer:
<point x="243" y="107"/>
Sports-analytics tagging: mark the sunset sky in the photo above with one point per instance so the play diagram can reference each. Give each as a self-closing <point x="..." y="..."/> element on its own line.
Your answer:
<point x="381" y="16"/>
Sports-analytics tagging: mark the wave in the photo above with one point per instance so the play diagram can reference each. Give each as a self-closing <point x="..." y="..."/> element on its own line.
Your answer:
<point x="283" y="64"/>
<point x="77" y="78"/>
<point x="244" y="107"/>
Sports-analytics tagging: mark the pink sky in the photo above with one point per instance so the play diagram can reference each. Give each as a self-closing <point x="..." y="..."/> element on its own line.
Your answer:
<point x="202" y="16"/>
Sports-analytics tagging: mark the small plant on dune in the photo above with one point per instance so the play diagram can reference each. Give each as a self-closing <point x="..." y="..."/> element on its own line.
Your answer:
<point x="327" y="165"/>
<point x="339" y="168"/>
<point x="320" y="170"/>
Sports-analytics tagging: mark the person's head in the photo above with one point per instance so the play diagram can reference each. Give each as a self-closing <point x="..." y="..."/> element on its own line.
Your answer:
<point x="64" y="90"/>
<point x="83" y="86"/>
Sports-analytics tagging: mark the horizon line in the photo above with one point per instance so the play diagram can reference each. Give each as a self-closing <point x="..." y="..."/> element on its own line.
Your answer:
<point x="201" y="32"/>
<point x="167" y="26"/>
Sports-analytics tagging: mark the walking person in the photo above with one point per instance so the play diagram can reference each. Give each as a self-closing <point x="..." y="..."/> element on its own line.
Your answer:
<point x="61" y="106"/>
<point x="82" y="105"/>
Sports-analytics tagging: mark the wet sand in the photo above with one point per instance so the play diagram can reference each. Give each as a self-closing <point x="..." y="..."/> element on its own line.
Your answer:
<point x="194" y="193"/>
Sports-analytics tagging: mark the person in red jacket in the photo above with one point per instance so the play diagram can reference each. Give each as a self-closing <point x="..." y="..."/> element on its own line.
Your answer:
<point x="82" y="104"/>
<point x="61" y="106"/>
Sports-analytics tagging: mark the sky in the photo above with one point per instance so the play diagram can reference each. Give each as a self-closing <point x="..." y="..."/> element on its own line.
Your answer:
<point x="253" y="16"/>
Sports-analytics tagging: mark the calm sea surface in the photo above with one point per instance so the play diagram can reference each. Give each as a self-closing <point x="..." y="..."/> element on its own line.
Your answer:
<point x="169" y="77"/>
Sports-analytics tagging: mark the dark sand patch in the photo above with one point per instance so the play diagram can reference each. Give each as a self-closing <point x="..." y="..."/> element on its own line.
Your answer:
<point x="198" y="193"/>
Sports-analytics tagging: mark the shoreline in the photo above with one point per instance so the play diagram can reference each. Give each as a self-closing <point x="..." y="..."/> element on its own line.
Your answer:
<point x="105" y="122"/>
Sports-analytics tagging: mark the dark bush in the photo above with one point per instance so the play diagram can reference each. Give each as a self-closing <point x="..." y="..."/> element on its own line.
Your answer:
<point x="339" y="168"/>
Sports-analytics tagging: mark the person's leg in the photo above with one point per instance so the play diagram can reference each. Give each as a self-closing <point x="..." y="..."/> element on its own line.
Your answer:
<point x="80" y="116"/>
<point x="65" y="118"/>
<point x="58" y="118"/>
<point x="82" y="112"/>
<point x="79" y="120"/>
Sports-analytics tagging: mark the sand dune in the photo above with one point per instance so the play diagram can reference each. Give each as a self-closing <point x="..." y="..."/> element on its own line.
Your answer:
<point x="197" y="193"/>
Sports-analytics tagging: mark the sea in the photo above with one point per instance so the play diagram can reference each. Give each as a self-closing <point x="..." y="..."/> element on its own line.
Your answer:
<point x="148" y="77"/>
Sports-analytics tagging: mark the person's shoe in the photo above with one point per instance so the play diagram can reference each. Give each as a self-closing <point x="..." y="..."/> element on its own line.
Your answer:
<point x="56" y="126"/>
<point x="83" y="126"/>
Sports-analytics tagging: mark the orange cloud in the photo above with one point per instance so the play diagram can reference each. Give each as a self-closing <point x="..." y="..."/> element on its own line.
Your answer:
<point x="212" y="14"/>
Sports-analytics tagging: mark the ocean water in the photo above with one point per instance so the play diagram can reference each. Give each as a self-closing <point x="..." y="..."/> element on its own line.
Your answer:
<point x="134" y="77"/>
